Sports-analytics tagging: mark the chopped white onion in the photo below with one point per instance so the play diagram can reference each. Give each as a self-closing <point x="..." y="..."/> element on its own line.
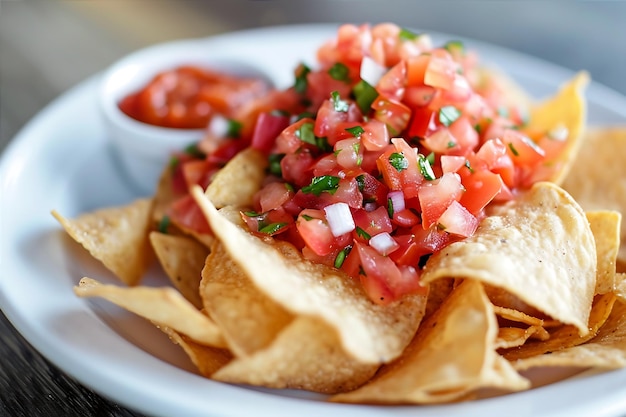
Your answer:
<point x="397" y="200"/>
<point x="339" y="218"/>
<point x="218" y="126"/>
<point x="371" y="71"/>
<point x="384" y="243"/>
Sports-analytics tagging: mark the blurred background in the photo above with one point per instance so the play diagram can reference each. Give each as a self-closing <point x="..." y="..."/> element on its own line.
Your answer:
<point x="47" y="46"/>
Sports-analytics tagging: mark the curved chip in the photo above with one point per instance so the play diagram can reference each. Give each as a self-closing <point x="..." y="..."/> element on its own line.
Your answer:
<point x="452" y="354"/>
<point x="538" y="247"/>
<point x="369" y="332"/>
<point x="116" y="236"/>
<point x="163" y="306"/>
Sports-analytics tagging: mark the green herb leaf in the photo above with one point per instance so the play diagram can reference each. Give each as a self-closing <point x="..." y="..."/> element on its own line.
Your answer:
<point x="455" y="46"/>
<point x="356" y="131"/>
<point x="431" y="158"/>
<point x="425" y="168"/>
<point x="390" y="208"/>
<point x="164" y="224"/>
<point x="448" y="114"/>
<point x="307" y="217"/>
<point x="272" y="228"/>
<point x="339" y="72"/>
<point x="407" y="35"/>
<point x="362" y="233"/>
<point x="512" y="148"/>
<point x="324" y="183"/>
<point x="341" y="256"/>
<point x="338" y="104"/>
<point x="301" y="82"/>
<point x="360" y="180"/>
<point x="194" y="151"/>
<point x="305" y="133"/>
<point x="234" y="128"/>
<point x="364" y="95"/>
<point x="274" y="164"/>
<point x="468" y="166"/>
<point x="398" y="161"/>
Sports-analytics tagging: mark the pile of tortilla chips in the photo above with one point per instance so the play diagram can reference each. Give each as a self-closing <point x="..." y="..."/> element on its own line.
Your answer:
<point x="540" y="284"/>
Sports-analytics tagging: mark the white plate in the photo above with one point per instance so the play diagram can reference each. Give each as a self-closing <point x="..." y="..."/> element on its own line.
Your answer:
<point x="62" y="160"/>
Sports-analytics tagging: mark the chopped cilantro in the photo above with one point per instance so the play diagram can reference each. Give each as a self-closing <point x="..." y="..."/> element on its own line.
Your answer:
<point x="164" y="224"/>
<point x="360" y="180"/>
<point x="327" y="183"/>
<point x="362" y="233"/>
<point x="468" y="166"/>
<point x="301" y="84"/>
<point x="339" y="72"/>
<point x="194" y="151"/>
<point x="448" y="114"/>
<point x="364" y="95"/>
<point x="274" y="164"/>
<point x="398" y="161"/>
<point x="338" y="104"/>
<point x="512" y="148"/>
<point x="455" y="46"/>
<point x="234" y="128"/>
<point x="407" y="35"/>
<point x="425" y="168"/>
<point x="390" y="208"/>
<point x="356" y="131"/>
<point x="271" y="228"/>
<point x="307" y="217"/>
<point x="341" y="256"/>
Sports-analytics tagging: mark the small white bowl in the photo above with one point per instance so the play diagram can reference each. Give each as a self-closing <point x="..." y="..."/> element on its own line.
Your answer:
<point x="143" y="150"/>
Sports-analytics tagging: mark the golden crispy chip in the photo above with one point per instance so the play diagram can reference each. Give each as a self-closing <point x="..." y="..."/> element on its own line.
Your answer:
<point x="510" y="337"/>
<point x="507" y="303"/>
<point x="605" y="226"/>
<point x="452" y="354"/>
<point x="116" y="236"/>
<point x="239" y="180"/>
<point x="369" y="332"/>
<point x="510" y="314"/>
<point x="606" y="350"/>
<point x="182" y="259"/>
<point x="620" y="286"/>
<point x="566" y="335"/>
<point x="207" y="359"/>
<point x="248" y="318"/>
<point x="598" y="181"/>
<point x="163" y="306"/>
<point x="565" y="110"/>
<point x="307" y="355"/>
<point x="538" y="247"/>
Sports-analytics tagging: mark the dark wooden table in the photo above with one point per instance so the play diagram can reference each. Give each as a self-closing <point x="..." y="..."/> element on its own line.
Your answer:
<point x="47" y="46"/>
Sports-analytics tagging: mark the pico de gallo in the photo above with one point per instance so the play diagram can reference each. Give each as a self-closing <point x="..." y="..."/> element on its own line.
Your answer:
<point x="384" y="153"/>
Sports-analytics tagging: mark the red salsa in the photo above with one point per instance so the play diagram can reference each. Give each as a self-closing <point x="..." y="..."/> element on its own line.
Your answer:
<point x="188" y="97"/>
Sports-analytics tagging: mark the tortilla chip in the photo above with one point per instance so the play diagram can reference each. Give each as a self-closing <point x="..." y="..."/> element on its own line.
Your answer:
<point x="510" y="314"/>
<point x="511" y="337"/>
<point x="605" y="226"/>
<point x="116" y="236"/>
<point x="182" y="259"/>
<point x="567" y="109"/>
<point x="164" y="197"/>
<point x="566" y="336"/>
<point x="452" y="354"/>
<point x="163" y="306"/>
<point x="306" y="355"/>
<point x="606" y="350"/>
<point x="250" y="320"/>
<point x="538" y="247"/>
<point x="620" y="286"/>
<point x="599" y="180"/>
<point x="207" y="359"/>
<point x="239" y="180"/>
<point x="368" y="332"/>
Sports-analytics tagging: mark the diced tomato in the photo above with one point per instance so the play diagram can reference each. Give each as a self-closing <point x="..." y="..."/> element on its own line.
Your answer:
<point x="440" y="72"/>
<point x="481" y="187"/>
<point x="268" y="126"/>
<point x="186" y="213"/>
<point x="465" y="134"/>
<point x="393" y="113"/>
<point x="451" y="163"/>
<point x="274" y="195"/>
<point x="315" y="231"/>
<point x="373" y="191"/>
<point x="494" y="153"/>
<point x="371" y="222"/>
<point x="422" y="122"/>
<point x="349" y="153"/>
<point x="405" y="218"/>
<point x="328" y="118"/>
<point x="416" y="69"/>
<point x="375" y="136"/>
<point x="457" y="220"/>
<point x="521" y="148"/>
<point x="296" y="168"/>
<point x="392" y="83"/>
<point x="436" y="196"/>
